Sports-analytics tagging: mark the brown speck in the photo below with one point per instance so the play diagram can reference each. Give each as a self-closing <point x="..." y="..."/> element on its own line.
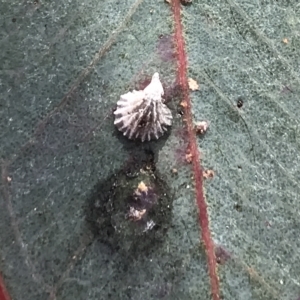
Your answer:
<point x="201" y="127"/>
<point x="183" y="104"/>
<point x="285" y="41"/>
<point x="208" y="174"/>
<point x="193" y="85"/>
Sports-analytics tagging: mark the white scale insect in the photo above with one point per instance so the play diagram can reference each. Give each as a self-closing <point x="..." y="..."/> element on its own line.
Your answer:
<point x="142" y="114"/>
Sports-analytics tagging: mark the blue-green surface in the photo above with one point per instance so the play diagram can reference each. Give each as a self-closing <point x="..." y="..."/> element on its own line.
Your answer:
<point x="63" y="66"/>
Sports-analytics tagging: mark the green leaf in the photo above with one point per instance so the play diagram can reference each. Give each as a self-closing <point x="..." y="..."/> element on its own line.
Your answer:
<point x="66" y="169"/>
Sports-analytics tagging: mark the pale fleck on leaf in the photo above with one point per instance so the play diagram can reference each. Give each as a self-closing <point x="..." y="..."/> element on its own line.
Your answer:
<point x="193" y="85"/>
<point x="208" y="174"/>
<point x="174" y="171"/>
<point x="285" y="41"/>
<point x="188" y="157"/>
<point x="201" y="127"/>
<point x="183" y="104"/>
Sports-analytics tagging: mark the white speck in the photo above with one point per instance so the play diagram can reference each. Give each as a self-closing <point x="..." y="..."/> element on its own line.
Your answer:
<point x="150" y="224"/>
<point x="201" y="127"/>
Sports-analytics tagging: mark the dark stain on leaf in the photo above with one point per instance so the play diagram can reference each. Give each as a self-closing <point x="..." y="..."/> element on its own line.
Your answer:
<point x="115" y="200"/>
<point x="165" y="47"/>
<point x="222" y="255"/>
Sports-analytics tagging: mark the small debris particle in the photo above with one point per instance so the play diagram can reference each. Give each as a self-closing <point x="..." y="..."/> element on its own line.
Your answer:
<point x="135" y="214"/>
<point x="201" y="127"/>
<point x="193" y="85"/>
<point x="183" y="104"/>
<point x="239" y="102"/>
<point x="9" y="179"/>
<point x="13" y="20"/>
<point x="186" y="2"/>
<point x="189" y="157"/>
<point x="174" y="171"/>
<point x="150" y="224"/>
<point x="208" y="174"/>
<point x="142" y="187"/>
<point x="285" y="41"/>
<point x="168" y="1"/>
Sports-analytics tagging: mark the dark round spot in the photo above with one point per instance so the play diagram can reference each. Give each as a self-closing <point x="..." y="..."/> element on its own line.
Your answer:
<point x="239" y="102"/>
<point x="13" y="20"/>
<point x="238" y="207"/>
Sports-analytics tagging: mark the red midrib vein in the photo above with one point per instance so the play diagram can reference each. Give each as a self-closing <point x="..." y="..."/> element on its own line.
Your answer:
<point x="193" y="148"/>
<point x="3" y="292"/>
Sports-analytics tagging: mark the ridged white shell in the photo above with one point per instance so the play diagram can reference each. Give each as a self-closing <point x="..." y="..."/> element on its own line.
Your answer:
<point x="142" y="114"/>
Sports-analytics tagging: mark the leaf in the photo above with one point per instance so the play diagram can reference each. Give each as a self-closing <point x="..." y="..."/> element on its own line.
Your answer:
<point x="65" y="65"/>
<point x="234" y="49"/>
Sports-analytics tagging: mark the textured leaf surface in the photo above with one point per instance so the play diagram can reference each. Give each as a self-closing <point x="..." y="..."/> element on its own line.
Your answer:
<point x="236" y="51"/>
<point x="63" y="67"/>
